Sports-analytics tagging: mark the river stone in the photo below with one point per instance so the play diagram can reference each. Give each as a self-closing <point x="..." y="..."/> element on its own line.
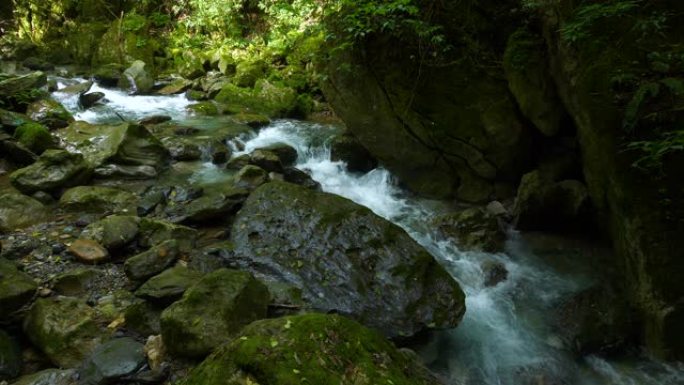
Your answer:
<point x="89" y="252"/>
<point x="90" y="99"/>
<point x="349" y="150"/>
<point x="125" y="144"/>
<point x="10" y="357"/>
<point x="472" y="229"/>
<point x="182" y="149"/>
<point x="253" y="120"/>
<point x="49" y="377"/>
<point x="137" y="79"/>
<point x="77" y="89"/>
<point x="286" y="153"/>
<point x="154" y="119"/>
<point x="16" y="153"/>
<point x="494" y="273"/>
<point x="154" y="232"/>
<point x="251" y="177"/>
<point x="50" y="113"/>
<point x="168" y="286"/>
<point x="345" y="259"/>
<point x="76" y="282"/>
<point x="10" y="120"/>
<point x="126" y="172"/>
<point x="11" y="87"/>
<point x="177" y="86"/>
<point x="143" y="317"/>
<point x="64" y="328"/>
<point x="267" y="160"/>
<point x="238" y="162"/>
<point x="297" y="176"/>
<point x="214" y="205"/>
<point x="16" y="289"/>
<point x="100" y="200"/>
<point x="153" y="261"/>
<point x="35" y="136"/>
<point x="212" y="311"/>
<point x="109" y="74"/>
<point x="113" y="232"/>
<point x="18" y="211"/>
<point x="323" y="349"/>
<point x="111" y="361"/>
<point x="55" y="169"/>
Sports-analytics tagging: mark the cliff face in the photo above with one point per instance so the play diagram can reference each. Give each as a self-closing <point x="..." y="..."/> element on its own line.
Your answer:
<point x="607" y="72"/>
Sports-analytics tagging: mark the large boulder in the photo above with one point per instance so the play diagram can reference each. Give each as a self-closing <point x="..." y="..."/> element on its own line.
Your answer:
<point x="310" y="348"/>
<point x="344" y="258"/>
<point x="16" y="90"/>
<point x="10" y="120"/>
<point x="472" y="229"/>
<point x="64" y="328"/>
<point x="16" y="288"/>
<point x="126" y="144"/>
<point x="54" y="170"/>
<point x="17" y="211"/>
<point x="99" y="200"/>
<point x="35" y="136"/>
<point x="215" y="204"/>
<point x="265" y="98"/>
<point x="168" y="286"/>
<point x="113" y="232"/>
<point x="349" y="150"/>
<point x="50" y="113"/>
<point x="212" y="311"/>
<point x="137" y="79"/>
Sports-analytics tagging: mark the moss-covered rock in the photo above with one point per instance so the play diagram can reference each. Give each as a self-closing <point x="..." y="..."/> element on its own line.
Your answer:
<point x="154" y="232"/>
<point x="137" y="79"/>
<point x="344" y="258"/>
<point x="215" y="204"/>
<point x="265" y="98"/>
<point x="35" y="136"/>
<point x="10" y="120"/>
<point x="54" y="170"/>
<point x="251" y="177"/>
<point x="50" y="113"/>
<point x="16" y="289"/>
<point x="312" y="348"/>
<point x="21" y="90"/>
<point x="113" y="232"/>
<point x="349" y="150"/>
<point x="10" y="357"/>
<point x="112" y="361"/>
<point x="168" y="286"/>
<point x="109" y="74"/>
<point x="152" y="262"/>
<point x="76" y="282"/>
<point x="99" y="200"/>
<point x="18" y="211"/>
<point x="247" y="72"/>
<point x="203" y="108"/>
<point x="63" y="328"/>
<point x="472" y="229"/>
<point x="212" y="311"/>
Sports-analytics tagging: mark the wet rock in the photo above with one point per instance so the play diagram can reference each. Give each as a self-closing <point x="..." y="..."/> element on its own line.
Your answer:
<point x="113" y="232"/>
<point x="13" y="86"/>
<point x="76" y="282"/>
<point x="37" y="64"/>
<point x="251" y="177"/>
<point x="286" y="153"/>
<point x="10" y="357"/>
<point x="112" y="361"/>
<point x="64" y="328"/>
<point x="49" y="377"/>
<point x="19" y="211"/>
<point x="154" y="232"/>
<point x="126" y="172"/>
<point x="253" y="120"/>
<point x="50" y="113"/>
<point x="297" y="176"/>
<point x="238" y="162"/>
<point x="472" y="229"/>
<point x="54" y="170"/>
<point x="152" y="262"/>
<point x="137" y="79"/>
<point x="494" y="273"/>
<point x="345" y="259"/>
<point x="203" y="108"/>
<point x="267" y="160"/>
<point x="349" y="150"/>
<point x="90" y="99"/>
<point x="143" y="318"/>
<point x="497" y="209"/>
<point x="154" y="119"/>
<point x="196" y="95"/>
<point x="35" y="137"/>
<point x="108" y="75"/>
<point x="17" y="246"/>
<point x="17" y="153"/>
<point x="155" y="351"/>
<point x="182" y="149"/>
<point x="89" y="252"/>
<point x="168" y="286"/>
<point x="10" y="120"/>
<point x="213" y="205"/>
<point x="101" y="200"/>
<point x="318" y="347"/>
<point x="16" y="289"/>
<point x="77" y="89"/>
<point x="177" y="86"/>
<point x="227" y="301"/>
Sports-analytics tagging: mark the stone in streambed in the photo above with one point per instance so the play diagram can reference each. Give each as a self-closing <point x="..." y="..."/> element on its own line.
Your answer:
<point x="154" y="232"/>
<point x="100" y="200"/>
<point x="137" y="79"/>
<point x="111" y="361"/>
<point x="349" y="150"/>
<point x="472" y="229"/>
<point x="16" y="289"/>
<point x="153" y="261"/>
<point x="35" y="137"/>
<point x="251" y="177"/>
<point x="113" y="232"/>
<point x="54" y="170"/>
<point x="268" y="160"/>
<point x="49" y="377"/>
<point x="297" y="176"/>
<point x="11" y="88"/>
<point x="50" y="113"/>
<point x="212" y="205"/>
<point x="10" y="357"/>
<point x="76" y="282"/>
<point x="89" y="252"/>
<point x="18" y="211"/>
<point x="168" y="286"/>
<point x="90" y="99"/>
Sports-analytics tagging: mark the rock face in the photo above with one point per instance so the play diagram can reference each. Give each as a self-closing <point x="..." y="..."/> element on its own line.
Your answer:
<point x="55" y="169"/>
<point x="212" y="311"/>
<point x="16" y="289"/>
<point x="64" y="329"/>
<point x="344" y="258"/>
<point x="323" y="349"/>
<point x="17" y="211"/>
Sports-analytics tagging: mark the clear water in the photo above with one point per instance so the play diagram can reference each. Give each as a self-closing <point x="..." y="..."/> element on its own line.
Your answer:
<point x="504" y="337"/>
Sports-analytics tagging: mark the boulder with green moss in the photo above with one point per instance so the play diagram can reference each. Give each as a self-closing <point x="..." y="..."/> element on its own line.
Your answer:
<point x="154" y="232"/>
<point x="472" y="229"/>
<point x="266" y="98"/>
<point x="213" y="311"/>
<point x="35" y="136"/>
<point x="109" y="75"/>
<point x="16" y="289"/>
<point x="63" y="328"/>
<point x="99" y="200"/>
<point x="152" y="262"/>
<point x="54" y="170"/>
<point x="313" y="349"/>
<point x="21" y="90"/>
<point x="113" y="232"/>
<point x="10" y="120"/>
<point x="50" y="113"/>
<point x="203" y="108"/>
<point x="18" y="211"/>
<point x="247" y="72"/>
<point x="137" y="79"/>
<point x="168" y="286"/>
<point x="346" y="259"/>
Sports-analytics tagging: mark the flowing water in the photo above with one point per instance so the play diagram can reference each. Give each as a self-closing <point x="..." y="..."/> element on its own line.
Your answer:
<point x="505" y="337"/>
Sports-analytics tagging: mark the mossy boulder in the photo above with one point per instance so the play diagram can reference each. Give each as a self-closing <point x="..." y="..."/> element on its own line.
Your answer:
<point x="18" y="211"/>
<point x="344" y="258"/>
<point x="35" y="136"/>
<point x="21" y="90"/>
<point x="10" y="357"/>
<point x="99" y="200"/>
<point x="113" y="232"/>
<point x="168" y="286"/>
<point x="266" y="98"/>
<point x="153" y="261"/>
<point x="285" y="153"/>
<point x="54" y="170"/>
<point x="311" y="348"/>
<point x="213" y="311"/>
<point x="349" y="150"/>
<point x="251" y="177"/>
<point x="155" y="231"/>
<point x="137" y="79"/>
<point x="50" y="113"/>
<point x="248" y="72"/>
<point x="63" y="328"/>
<point x="203" y="108"/>
<point x="127" y="40"/>
<point x="472" y="229"/>
<point x="76" y="282"/>
<point x="215" y="204"/>
<point x="109" y="75"/>
<point x="10" y="120"/>
<point x="16" y="289"/>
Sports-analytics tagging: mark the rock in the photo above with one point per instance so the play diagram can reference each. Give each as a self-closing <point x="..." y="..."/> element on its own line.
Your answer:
<point x="152" y="262"/>
<point x="36" y="64"/>
<point x="54" y="170"/>
<point x="35" y="137"/>
<point x="64" y="328"/>
<point x="89" y="252"/>
<point x="99" y="200"/>
<point x="267" y="160"/>
<point x="497" y="209"/>
<point x="109" y="75"/>
<point x="16" y="289"/>
<point x="251" y="177"/>
<point x="203" y="108"/>
<point x="155" y="351"/>
<point x="136" y="79"/>
<point x="49" y="377"/>
<point x="349" y="150"/>
<point x="76" y="282"/>
<point x="17" y="153"/>
<point x="10" y="357"/>
<point x="154" y="119"/>
<point x="10" y="120"/>
<point x="19" y="211"/>
<point x="125" y="144"/>
<point x="50" y="113"/>
<point x="154" y="232"/>
<point x="253" y="120"/>
<point x="297" y="176"/>
<point x="114" y="232"/>
<point x="345" y="259"/>
<point x="90" y="99"/>
<point x="238" y="162"/>
<point x="286" y="153"/>
<point x="214" y="205"/>
<point x="143" y="317"/>
<point x="212" y="311"/>
<point x="112" y="361"/>
<point x="316" y="347"/>
<point x="472" y="229"/>
<point x="177" y="86"/>
<point x="182" y="149"/>
<point x="77" y="89"/>
<point x="18" y="246"/>
<point x="126" y="172"/>
<point x="12" y="88"/>
<point x="196" y="95"/>
<point x="168" y="286"/>
<point x="248" y="72"/>
<point x="265" y="98"/>
<point x="494" y="273"/>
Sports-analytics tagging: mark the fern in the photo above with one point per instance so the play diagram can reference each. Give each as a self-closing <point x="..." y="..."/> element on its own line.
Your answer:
<point x="579" y="27"/>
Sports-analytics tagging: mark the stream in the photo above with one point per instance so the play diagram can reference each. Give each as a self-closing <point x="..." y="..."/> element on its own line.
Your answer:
<point x="506" y="336"/>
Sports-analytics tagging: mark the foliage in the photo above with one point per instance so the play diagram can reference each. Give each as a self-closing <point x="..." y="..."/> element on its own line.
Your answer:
<point x="654" y="151"/>
<point x="579" y="28"/>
